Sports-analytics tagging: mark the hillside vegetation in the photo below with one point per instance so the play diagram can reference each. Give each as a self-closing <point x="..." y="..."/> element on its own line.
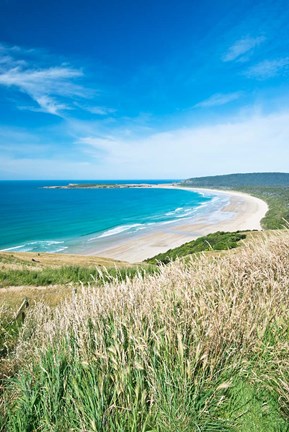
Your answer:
<point x="216" y="241"/>
<point x="270" y="187"/>
<point x="52" y="277"/>
<point x="201" y="346"/>
<point x="242" y="180"/>
<point x="62" y="275"/>
<point x="277" y="199"/>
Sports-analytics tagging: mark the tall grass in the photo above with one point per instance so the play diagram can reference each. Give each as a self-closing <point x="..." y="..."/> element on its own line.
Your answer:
<point x="200" y="346"/>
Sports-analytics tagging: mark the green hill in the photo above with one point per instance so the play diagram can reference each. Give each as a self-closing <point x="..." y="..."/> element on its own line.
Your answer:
<point x="270" y="187"/>
<point x="241" y="180"/>
<point x="212" y="242"/>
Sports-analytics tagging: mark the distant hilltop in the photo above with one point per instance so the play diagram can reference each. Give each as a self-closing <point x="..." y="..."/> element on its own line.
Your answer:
<point x="229" y="181"/>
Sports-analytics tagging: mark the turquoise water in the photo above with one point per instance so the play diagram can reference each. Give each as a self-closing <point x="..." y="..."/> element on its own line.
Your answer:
<point x="64" y="220"/>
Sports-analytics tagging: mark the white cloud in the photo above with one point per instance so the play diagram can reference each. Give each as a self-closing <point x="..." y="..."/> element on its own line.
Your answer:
<point x="95" y="109"/>
<point x="50" y="105"/>
<point x="268" y="68"/>
<point x="218" y="99"/>
<point x="100" y="110"/>
<point x="243" y="46"/>
<point x="5" y="59"/>
<point x="53" y="89"/>
<point x="44" y="85"/>
<point x="257" y="143"/>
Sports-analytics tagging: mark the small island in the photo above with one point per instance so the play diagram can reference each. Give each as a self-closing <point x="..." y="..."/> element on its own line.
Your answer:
<point x="99" y="186"/>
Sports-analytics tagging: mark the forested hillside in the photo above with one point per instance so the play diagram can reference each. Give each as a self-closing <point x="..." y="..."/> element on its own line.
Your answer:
<point x="239" y="180"/>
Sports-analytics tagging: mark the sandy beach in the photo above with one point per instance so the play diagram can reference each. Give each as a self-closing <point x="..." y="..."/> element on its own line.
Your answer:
<point x="241" y="212"/>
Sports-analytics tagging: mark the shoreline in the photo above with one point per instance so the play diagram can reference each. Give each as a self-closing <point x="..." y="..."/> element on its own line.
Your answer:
<point x="224" y="211"/>
<point x="242" y="212"/>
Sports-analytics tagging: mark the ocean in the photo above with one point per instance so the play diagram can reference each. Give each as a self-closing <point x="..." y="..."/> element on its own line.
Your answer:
<point x="34" y="219"/>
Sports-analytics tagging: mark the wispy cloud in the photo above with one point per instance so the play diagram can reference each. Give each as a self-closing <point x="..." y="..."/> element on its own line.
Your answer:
<point x="44" y="86"/>
<point x="268" y="68"/>
<point x="98" y="110"/>
<point x="52" y="88"/>
<point x="218" y="99"/>
<point x="101" y="110"/>
<point x="242" y="47"/>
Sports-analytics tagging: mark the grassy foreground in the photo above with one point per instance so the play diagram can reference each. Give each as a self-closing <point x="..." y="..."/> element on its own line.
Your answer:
<point x="200" y="346"/>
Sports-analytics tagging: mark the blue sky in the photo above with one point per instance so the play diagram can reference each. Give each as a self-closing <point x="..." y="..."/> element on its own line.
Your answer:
<point x="102" y="89"/>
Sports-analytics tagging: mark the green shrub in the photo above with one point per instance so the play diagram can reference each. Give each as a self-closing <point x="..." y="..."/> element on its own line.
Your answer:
<point x="216" y="241"/>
